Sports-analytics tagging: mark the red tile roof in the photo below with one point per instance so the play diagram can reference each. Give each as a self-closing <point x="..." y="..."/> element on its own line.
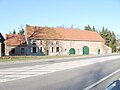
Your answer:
<point x="37" y="32"/>
<point x="14" y="39"/>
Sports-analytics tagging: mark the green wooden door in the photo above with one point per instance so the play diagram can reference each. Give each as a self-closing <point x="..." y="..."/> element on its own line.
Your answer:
<point x="85" y="50"/>
<point x="72" y="51"/>
<point x="98" y="51"/>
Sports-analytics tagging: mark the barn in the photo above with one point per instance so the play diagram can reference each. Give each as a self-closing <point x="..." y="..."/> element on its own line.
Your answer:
<point x="39" y="41"/>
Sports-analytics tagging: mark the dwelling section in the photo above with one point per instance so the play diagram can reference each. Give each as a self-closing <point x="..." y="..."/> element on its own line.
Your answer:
<point x="2" y="45"/>
<point x="63" y="41"/>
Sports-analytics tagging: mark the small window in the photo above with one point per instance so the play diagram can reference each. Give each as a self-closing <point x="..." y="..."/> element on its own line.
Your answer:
<point x="52" y="49"/>
<point x="40" y="49"/>
<point x="34" y="49"/>
<point x="57" y="49"/>
<point x="34" y="42"/>
<point x="22" y="50"/>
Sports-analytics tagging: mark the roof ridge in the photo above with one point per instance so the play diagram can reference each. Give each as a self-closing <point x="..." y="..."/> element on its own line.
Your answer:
<point x="62" y="28"/>
<point x="67" y="33"/>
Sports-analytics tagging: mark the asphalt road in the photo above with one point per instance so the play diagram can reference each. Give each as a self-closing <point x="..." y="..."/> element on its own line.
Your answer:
<point x="12" y="64"/>
<point x="71" y="79"/>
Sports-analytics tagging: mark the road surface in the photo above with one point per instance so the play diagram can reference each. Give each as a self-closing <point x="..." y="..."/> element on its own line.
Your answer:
<point x="73" y="74"/>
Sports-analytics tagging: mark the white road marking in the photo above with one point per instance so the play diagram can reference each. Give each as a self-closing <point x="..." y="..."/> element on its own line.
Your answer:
<point x="10" y="74"/>
<point x="103" y="79"/>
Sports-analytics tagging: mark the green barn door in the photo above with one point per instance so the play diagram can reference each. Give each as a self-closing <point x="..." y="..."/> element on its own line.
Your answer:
<point x="85" y="50"/>
<point x="72" y="51"/>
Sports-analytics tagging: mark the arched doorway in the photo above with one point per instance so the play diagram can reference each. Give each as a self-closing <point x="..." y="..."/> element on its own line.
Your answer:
<point x="85" y="50"/>
<point x="72" y="51"/>
<point x="98" y="51"/>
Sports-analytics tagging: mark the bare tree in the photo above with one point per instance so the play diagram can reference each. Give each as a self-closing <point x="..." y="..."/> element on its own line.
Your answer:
<point x="21" y="29"/>
<point x="46" y="34"/>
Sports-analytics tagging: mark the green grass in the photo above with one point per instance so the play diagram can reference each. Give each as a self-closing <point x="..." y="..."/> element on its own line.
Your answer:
<point x="25" y="58"/>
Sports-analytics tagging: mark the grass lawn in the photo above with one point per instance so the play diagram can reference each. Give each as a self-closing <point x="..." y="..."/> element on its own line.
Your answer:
<point x="21" y="58"/>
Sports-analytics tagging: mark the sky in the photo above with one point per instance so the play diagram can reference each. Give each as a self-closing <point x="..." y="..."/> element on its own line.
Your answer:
<point x="98" y="13"/>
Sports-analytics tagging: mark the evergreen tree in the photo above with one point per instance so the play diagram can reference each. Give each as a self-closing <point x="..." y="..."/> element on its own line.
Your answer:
<point x="103" y="30"/>
<point x="88" y="28"/>
<point x="93" y="29"/>
<point x="110" y="38"/>
<point x="14" y="32"/>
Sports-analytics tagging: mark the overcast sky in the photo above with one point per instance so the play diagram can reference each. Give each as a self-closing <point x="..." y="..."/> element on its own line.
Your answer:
<point x="79" y="13"/>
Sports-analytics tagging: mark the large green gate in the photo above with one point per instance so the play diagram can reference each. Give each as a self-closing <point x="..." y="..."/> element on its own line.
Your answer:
<point x="72" y="51"/>
<point x="85" y="50"/>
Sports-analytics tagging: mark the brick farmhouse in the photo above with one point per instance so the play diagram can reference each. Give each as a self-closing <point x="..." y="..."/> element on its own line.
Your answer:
<point x="55" y="41"/>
